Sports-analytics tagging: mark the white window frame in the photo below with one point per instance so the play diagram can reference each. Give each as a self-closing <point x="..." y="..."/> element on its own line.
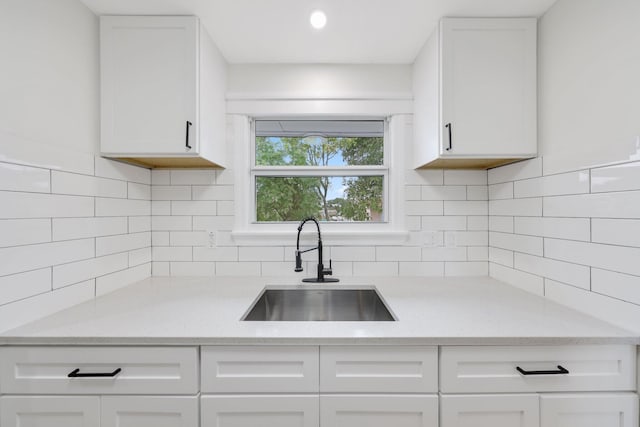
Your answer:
<point x="392" y="231"/>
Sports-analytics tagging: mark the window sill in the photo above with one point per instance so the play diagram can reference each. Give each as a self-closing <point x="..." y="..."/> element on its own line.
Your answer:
<point x="329" y="238"/>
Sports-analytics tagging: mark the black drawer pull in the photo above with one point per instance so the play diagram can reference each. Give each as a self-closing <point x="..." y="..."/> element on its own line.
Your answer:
<point x="560" y="371"/>
<point x="186" y="142"/>
<point x="76" y="374"/>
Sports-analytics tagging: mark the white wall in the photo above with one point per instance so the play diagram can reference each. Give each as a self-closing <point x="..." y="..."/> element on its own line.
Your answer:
<point x="566" y="225"/>
<point x="72" y="225"/>
<point x="589" y="91"/>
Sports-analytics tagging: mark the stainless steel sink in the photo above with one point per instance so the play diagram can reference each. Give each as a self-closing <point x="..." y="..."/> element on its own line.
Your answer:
<point x="319" y="304"/>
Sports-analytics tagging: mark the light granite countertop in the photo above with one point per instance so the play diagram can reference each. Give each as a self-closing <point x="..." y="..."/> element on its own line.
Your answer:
<point x="429" y="311"/>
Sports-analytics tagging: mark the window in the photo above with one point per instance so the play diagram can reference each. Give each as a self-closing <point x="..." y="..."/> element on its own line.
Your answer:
<point x="334" y="170"/>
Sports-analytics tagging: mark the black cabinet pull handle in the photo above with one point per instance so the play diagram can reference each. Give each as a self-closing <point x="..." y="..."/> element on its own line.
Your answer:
<point x="560" y="371"/>
<point x="76" y="374"/>
<point x="448" y="126"/>
<point x="186" y="143"/>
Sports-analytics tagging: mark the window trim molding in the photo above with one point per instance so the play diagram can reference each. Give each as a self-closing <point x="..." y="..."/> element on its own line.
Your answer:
<point x="391" y="232"/>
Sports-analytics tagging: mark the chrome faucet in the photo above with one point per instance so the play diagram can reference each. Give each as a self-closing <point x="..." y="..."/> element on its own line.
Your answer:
<point x="321" y="270"/>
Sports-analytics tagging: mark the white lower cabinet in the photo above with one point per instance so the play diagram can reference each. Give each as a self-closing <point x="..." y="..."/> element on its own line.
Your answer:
<point x="379" y="411"/>
<point x="589" y="410"/>
<point x="490" y="410"/>
<point x="50" y="411"/>
<point x="259" y="411"/>
<point x="149" y="411"/>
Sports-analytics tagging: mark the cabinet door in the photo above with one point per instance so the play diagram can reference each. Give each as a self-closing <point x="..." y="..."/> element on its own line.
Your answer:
<point x="488" y="87"/>
<point x="489" y="411"/>
<point x="589" y="410"/>
<point x="379" y="411"/>
<point x="148" y="84"/>
<point x="49" y="411"/>
<point x="149" y="411"/>
<point x="259" y="411"/>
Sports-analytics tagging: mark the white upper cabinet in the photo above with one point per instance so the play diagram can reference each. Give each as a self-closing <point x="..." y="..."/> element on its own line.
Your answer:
<point x="475" y="93"/>
<point x="163" y="85"/>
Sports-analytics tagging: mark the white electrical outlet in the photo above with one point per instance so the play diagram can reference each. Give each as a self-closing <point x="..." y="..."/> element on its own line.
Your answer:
<point x="211" y="239"/>
<point x="429" y="239"/>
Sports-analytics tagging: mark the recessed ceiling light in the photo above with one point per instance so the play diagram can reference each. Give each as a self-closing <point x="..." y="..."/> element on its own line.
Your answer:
<point x="318" y="19"/>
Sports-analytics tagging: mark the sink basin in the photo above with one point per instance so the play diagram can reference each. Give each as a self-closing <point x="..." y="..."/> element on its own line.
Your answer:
<point x="323" y="304"/>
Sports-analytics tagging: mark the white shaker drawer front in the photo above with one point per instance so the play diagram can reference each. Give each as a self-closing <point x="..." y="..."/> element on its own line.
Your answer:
<point x="384" y="369"/>
<point x="257" y="369"/>
<point x="50" y="411"/>
<point x="537" y="368"/>
<point x="99" y="370"/>
<point x="490" y="410"/>
<point x="378" y="411"/>
<point x="589" y="410"/>
<point x="259" y="411"/>
<point x="149" y="411"/>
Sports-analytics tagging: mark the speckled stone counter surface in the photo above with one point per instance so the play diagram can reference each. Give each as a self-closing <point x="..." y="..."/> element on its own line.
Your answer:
<point x="429" y="311"/>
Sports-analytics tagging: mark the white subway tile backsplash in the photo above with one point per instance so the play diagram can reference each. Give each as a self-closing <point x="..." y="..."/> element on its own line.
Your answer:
<point x="224" y="177"/>
<point x="525" y="281"/>
<point x="516" y="171"/>
<point x="560" y="228"/>
<point x="171" y="192"/>
<point x="617" y="285"/>
<point x="553" y="185"/>
<point x="14" y="232"/>
<point x="444" y="192"/>
<point x="444" y="254"/>
<point x="623" y="177"/>
<point x="398" y="253"/>
<point x="501" y="191"/>
<point x="106" y="168"/>
<point x="171" y="223"/>
<point x="372" y="269"/>
<point x="192" y="268"/>
<point x="160" y="177"/>
<point x="81" y="271"/>
<point x="423" y="208"/>
<point x="602" y="205"/>
<point x="160" y="238"/>
<point x="161" y="268"/>
<point x="188" y="238"/>
<point x="478" y="223"/>
<point x="624" y="232"/>
<point x="14" y="205"/>
<point x="615" y="258"/>
<point x="465" y="177"/>
<point x="516" y="242"/>
<point x="412" y="192"/>
<point x="193" y="177"/>
<point x="477" y="192"/>
<point x="478" y="253"/>
<point x="474" y="207"/>
<point x="516" y="207"/>
<point x="84" y="185"/>
<point x="165" y="253"/>
<point x="193" y="207"/>
<point x="572" y="274"/>
<point x="353" y="253"/>
<point x="424" y="177"/>
<point x="238" y="269"/>
<point x="422" y="269"/>
<point x="138" y="191"/>
<point x="501" y="256"/>
<point x="139" y="256"/>
<point x="217" y="192"/>
<point x="122" y="207"/>
<point x="24" y="285"/>
<point x="257" y="253"/>
<point x="469" y="238"/>
<point x="503" y="224"/>
<point x="413" y="223"/>
<point x="24" y="258"/>
<point x="80" y="228"/>
<point x="285" y="269"/>
<point x="459" y="269"/>
<point x="215" y="254"/>
<point x="121" y="243"/>
<point x="436" y="223"/>
<point x="24" y="178"/>
<point x="213" y="223"/>
<point x="138" y="224"/>
<point x="160" y="207"/>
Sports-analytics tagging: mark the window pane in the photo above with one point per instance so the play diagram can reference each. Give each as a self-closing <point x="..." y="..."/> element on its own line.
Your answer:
<point x="328" y="198"/>
<point x="319" y="143"/>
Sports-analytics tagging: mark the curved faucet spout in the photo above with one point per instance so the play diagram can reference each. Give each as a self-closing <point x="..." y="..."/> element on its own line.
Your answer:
<point x="321" y="270"/>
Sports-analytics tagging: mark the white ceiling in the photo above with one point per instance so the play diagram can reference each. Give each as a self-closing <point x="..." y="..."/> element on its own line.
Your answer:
<point x="357" y="31"/>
